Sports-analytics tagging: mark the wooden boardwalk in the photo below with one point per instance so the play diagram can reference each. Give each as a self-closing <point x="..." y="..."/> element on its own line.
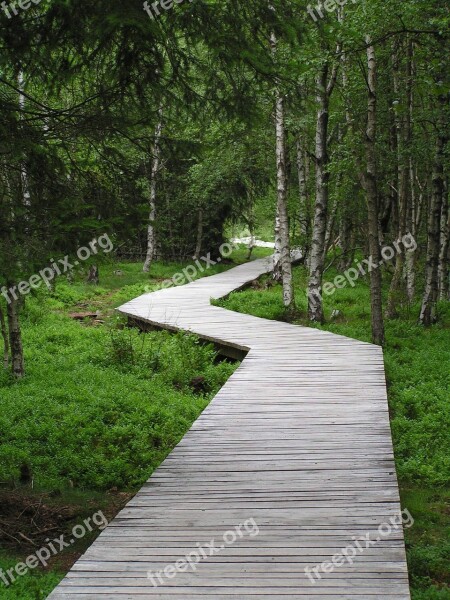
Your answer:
<point x="297" y="440"/>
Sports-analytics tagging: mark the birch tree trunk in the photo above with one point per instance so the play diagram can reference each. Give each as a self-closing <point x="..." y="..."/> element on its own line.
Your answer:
<point x="282" y="211"/>
<point x="346" y="226"/>
<point x="410" y="258"/>
<point x="330" y="227"/>
<point x="23" y="169"/>
<point x="414" y="212"/>
<point x="276" y="272"/>
<point x="15" y="337"/>
<point x="316" y="265"/>
<point x="369" y="180"/>
<point x="443" y="269"/>
<point x="156" y="159"/>
<point x="428" y="309"/>
<point x="303" y="193"/>
<point x="403" y="135"/>
<point x="282" y="254"/>
<point x="198" y="245"/>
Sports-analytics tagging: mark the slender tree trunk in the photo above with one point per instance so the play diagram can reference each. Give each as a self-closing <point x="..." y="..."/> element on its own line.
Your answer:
<point x="410" y="258"/>
<point x="15" y="337"/>
<point x="304" y="204"/>
<point x="428" y="309"/>
<point x="443" y="269"/>
<point x="198" y="245"/>
<point x="316" y="265"/>
<point x="276" y="273"/>
<point x="251" y="224"/>
<point x="5" y="339"/>
<point x="23" y="169"/>
<point x="330" y="227"/>
<point x="151" y="238"/>
<point x="415" y="205"/>
<point x="282" y="211"/>
<point x="346" y="226"/>
<point x="369" y="179"/>
<point x="403" y="134"/>
<point x="282" y="243"/>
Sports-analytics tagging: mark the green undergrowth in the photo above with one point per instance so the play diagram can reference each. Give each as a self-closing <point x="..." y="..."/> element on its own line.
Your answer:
<point x="35" y="585"/>
<point x="102" y="408"/>
<point x="101" y="405"/>
<point x="418" y="376"/>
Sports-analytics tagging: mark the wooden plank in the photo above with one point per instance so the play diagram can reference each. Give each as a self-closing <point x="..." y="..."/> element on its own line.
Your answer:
<point x="297" y="440"/>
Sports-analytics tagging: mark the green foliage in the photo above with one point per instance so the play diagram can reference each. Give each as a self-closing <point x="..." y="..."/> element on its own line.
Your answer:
<point x="35" y="585"/>
<point x="428" y="542"/>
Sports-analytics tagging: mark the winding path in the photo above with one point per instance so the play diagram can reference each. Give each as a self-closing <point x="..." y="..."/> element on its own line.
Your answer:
<point x="298" y="441"/>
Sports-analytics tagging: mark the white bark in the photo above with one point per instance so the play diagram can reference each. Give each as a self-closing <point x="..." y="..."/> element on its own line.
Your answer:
<point x="403" y="135"/>
<point x="443" y="268"/>
<point x="282" y="220"/>
<point x="156" y="159"/>
<point x="413" y="226"/>
<point x="26" y="196"/>
<point x="369" y="180"/>
<point x="276" y="273"/>
<point x="428" y="309"/>
<point x="316" y="264"/>
<point x="303" y="192"/>
<point x="198" y="245"/>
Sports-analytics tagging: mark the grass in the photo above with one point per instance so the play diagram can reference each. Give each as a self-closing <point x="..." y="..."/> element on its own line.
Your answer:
<point x="418" y="376"/>
<point x="35" y="585"/>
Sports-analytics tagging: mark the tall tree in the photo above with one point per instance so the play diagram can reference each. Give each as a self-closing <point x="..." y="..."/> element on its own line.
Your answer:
<point x="369" y="181"/>
<point x="282" y="243"/>
<point x="428" y="309"/>
<point x="155" y="166"/>
<point x="325" y="83"/>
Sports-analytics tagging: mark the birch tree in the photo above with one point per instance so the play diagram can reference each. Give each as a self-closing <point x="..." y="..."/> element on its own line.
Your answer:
<point x="443" y="267"/>
<point x="282" y="254"/>
<point x="324" y="87"/>
<point x="428" y="309"/>
<point x="369" y="181"/>
<point x="304" y="216"/>
<point x="155" y="166"/>
<point x="403" y="139"/>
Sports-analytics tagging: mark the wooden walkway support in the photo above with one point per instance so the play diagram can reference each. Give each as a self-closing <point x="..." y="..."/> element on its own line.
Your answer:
<point x="297" y="442"/>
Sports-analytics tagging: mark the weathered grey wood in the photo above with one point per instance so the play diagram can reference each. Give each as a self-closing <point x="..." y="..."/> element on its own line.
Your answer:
<point x="298" y="440"/>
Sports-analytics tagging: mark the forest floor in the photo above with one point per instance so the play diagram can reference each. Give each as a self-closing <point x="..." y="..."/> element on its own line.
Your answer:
<point x="101" y="406"/>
